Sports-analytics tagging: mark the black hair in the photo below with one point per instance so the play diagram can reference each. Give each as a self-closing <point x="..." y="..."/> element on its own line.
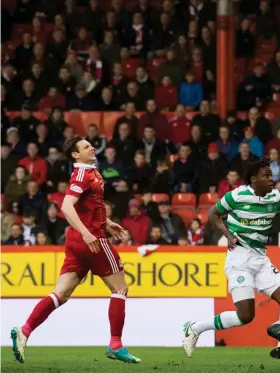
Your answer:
<point x="71" y="146"/>
<point x="254" y="168"/>
<point x="157" y="226"/>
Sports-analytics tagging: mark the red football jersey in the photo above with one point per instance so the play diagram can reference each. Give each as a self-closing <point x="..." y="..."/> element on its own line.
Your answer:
<point x="87" y="184"/>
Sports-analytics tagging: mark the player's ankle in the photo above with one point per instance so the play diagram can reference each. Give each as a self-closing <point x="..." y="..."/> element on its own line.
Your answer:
<point x="26" y="330"/>
<point x="116" y="343"/>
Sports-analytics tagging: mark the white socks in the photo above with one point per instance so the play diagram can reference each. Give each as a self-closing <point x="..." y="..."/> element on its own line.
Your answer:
<point x="224" y="320"/>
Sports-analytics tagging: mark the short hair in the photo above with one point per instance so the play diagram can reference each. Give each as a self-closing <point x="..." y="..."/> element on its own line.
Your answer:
<point x="254" y="168"/>
<point x="140" y="152"/>
<point x="71" y="146"/>
<point x="157" y="226"/>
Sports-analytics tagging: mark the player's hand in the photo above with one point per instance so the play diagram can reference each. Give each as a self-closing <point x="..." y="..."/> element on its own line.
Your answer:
<point x="91" y="241"/>
<point x="231" y="242"/>
<point x="115" y="230"/>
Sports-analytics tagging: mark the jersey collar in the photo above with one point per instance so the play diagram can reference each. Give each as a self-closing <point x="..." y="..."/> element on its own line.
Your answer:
<point x="251" y="189"/>
<point x="84" y="165"/>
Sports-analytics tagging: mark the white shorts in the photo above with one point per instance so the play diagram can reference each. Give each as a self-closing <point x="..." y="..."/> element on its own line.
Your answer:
<point x="247" y="270"/>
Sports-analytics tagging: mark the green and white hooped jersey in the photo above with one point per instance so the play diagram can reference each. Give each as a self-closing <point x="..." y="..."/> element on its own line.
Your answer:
<point x="249" y="216"/>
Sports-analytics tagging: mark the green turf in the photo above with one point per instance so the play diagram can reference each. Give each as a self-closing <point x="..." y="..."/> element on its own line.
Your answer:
<point x="154" y="360"/>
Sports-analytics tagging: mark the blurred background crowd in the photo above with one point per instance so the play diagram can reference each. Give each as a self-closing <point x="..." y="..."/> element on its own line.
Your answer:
<point x="150" y="66"/>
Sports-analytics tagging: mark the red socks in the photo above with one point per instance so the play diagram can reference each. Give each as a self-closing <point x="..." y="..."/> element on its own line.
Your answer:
<point x="116" y="318"/>
<point x="40" y="313"/>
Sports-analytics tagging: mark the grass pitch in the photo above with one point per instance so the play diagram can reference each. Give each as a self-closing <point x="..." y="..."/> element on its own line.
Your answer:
<point x="154" y="360"/>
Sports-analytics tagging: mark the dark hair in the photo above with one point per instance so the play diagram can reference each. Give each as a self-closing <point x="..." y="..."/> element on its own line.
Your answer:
<point x="197" y="220"/>
<point x="71" y="146"/>
<point x="140" y="152"/>
<point x="254" y="168"/>
<point x="157" y="226"/>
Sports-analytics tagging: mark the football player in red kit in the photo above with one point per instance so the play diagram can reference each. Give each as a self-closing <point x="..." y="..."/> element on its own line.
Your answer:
<point x="86" y="249"/>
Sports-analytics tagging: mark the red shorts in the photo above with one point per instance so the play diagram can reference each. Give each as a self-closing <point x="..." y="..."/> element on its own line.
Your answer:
<point x="80" y="259"/>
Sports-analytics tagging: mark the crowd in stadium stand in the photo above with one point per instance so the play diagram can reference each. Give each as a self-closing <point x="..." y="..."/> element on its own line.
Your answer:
<point x="161" y="171"/>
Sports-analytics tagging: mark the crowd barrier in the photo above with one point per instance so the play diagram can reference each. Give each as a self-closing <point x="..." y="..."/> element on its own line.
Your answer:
<point x="168" y="287"/>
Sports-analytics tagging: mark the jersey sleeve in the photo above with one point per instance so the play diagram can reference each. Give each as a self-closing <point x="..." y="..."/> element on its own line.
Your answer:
<point x="78" y="184"/>
<point x="226" y="204"/>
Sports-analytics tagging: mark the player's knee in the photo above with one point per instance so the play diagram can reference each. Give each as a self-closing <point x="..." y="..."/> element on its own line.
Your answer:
<point x="121" y="287"/>
<point x="246" y="316"/>
<point x="63" y="296"/>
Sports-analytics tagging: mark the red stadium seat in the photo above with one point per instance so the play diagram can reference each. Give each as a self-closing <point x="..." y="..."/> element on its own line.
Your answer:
<point x="243" y="115"/>
<point x="157" y="197"/>
<point x="129" y="66"/>
<point x="20" y="29"/>
<point x="208" y="199"/>
<point x="203" y="215"/>
<point x="152" y="67"/>
<point x="81" y="120"/>
<point x="183" y="200"/>
<point x="266" y="47"/>
<point x="187" y="214"/>
<point x="109" y="121"/>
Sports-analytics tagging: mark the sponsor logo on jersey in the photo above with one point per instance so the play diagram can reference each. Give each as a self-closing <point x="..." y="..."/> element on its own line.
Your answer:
<point x="240" y="279"/>
<point x="270" y="208"/>
<point x="247" y="207"/>
<point x="76" y="188"/>
<point x="256" y="222"/>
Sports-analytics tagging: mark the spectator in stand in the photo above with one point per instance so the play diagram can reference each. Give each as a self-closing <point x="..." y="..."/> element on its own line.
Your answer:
<point x="10" y="80"/>
<point x="184" y="169"/>
<point x="145" y="84"/>
<point x="120" y="197"/>
<point x="125" y="146"/>
<point x="166" y="95"/>
<point x="208" y="48"/>
<point x="80" y="101"/>
<point x="137" y="37"/>
<point x="243" y="159"/>
<point x="154" y="149"/>
<point x="163" y="179"/>
<point x="266" y="21"/>
<point x="109" y="50"/>
<point x="56" y="125"/>
<point x="155" y="236"/>
<point x="171" y="224"/>
<point x="137" y="222"/>
<point x="35" y="165"/>
<point x="196" y="143"/>
<point x="107" y="102"/>
<point x="72" y="18"/>
<point x="17" y="146"/>
<point x="228" y="147"/>
<point x="260" y="124"/>
<point x="245" y="42"/>
<point x="33" y="200"/>
<point x="254" y="90"/>
<point x="132" y="94"/>
<point x="43" y="140"/>
<point x="122" y="14"/>
<point x="273" y="144"/>
<point x="273" y="72"/>
<point x="162" y="37"/>
<point x="126" y="239"/>
<point x="235" y="125"/>
<point x="16" y="237"/>
<point x="58" y="196"/>
<point x="197" y="64"/>
<point x="256" y="146"/>
<point x="91" y="85"/>
<point x="150" y="207"/>
<point x="26" y="96"/>
<point x="16" y="185"/>
<point x="153" y="118"/>
<point x="65" y="82"/>
<point x="130" y="118"/>
<point x="110" y="212"/>
<point x="230" y="183"/>
<point x="38" y="31"/>
<point x="23" y="53"/>
<point x="274" y="156"/>
<point x="193" y="33"/>
<point x="40" y="57"/>
<point x="40" y="79"/>
<point x="68" y="133"/>
<point x="28" y="227"/>
<point x="110" y="24"/>
<point x="26" y="124"/>
<point x="191" y="92"/>
<point x="207" y="121"/>
<point x="42" y="239"/>
<point x="195" y="233"/>
<point x="98" y="67"/>
<point x="53" y="224"/>
<point x="118" y="81"/>
<point x="56" y="50"/>
<point x="8" y="164"/>
<point x="209" y="85"/>
<point x="51" y="100"/>
<point x="179" y="126"/>
<point x="111" y="169"/>
<point x="139" y="174"/>
<point x="7" y="221"/>
<point x="81" y="44"/>
<point x="181" y="48"/>
<point x="59" y="169"/>
<point x="173" y="68"/>
<point x="182" y="241"/>
<point x="96" y="140"/>
<point x="74" y="67"/>
<point x="93" y="18"/>
<point x="212" y="171"/>
<point x="148" y="13"/>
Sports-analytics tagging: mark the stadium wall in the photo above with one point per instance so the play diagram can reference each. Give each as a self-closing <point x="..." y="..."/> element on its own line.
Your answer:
<point x="168" y="287"/>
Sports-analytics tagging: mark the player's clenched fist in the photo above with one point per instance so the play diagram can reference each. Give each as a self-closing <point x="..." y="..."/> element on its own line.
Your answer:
<point x="91" y="241"/>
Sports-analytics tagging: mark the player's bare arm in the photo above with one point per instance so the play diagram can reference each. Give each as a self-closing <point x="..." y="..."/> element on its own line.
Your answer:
<point x="215" y="218"/>
<point x="75" y="222"/>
